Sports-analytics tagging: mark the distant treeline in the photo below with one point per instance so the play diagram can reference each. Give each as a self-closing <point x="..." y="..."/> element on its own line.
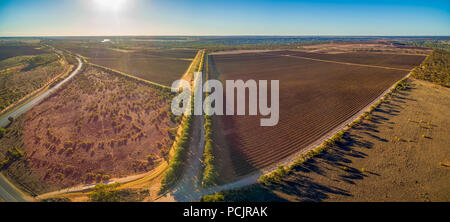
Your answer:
<point x="435" y="68"/>
<point x="434" y="44"/>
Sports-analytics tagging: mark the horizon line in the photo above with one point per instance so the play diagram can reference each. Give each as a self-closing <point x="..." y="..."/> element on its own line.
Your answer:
<point x="230" y="35"/>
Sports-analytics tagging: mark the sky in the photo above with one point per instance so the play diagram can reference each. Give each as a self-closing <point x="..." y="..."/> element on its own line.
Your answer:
<point x="223" y="17"/>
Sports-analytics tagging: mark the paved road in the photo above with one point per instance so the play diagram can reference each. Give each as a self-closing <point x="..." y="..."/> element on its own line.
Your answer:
<point x="8" y="192"/>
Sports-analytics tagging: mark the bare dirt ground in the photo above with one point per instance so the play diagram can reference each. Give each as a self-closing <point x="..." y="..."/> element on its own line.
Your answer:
<point x="400" y="153"/>
<point x="98" y="127"/>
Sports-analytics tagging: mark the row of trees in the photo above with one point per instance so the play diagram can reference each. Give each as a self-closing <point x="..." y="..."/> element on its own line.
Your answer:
<point x="210" y="174"/>
<point x="180" y="148"/>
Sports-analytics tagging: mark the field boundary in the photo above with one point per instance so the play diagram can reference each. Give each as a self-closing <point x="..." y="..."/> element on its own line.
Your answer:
<point x="209" y="170"/>
<point x="129" y="76"/>
<point x="344" y="63"/>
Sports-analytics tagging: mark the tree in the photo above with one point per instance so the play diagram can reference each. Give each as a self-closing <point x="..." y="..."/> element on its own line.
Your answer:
<point x="105" y="193"/>
<point x="2" y="132"/>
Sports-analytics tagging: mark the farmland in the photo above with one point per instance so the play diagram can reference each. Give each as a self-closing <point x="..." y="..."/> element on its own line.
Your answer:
<point x="317" y="93"/>
<point x="97" y="127"/>
<point x="387" y="60"/>
<point x="9" y="49"/>
<point x="162" y="66"/>
<point x="397" y="153"/>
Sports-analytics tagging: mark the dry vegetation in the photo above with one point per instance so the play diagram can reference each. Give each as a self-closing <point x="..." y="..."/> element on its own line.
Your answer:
<point x="435" y="68"/>
<point x="366" y="46"/>
<point x="99" y="126"/>
<point x="25" y="70"/>
<point x="315" y="97"/>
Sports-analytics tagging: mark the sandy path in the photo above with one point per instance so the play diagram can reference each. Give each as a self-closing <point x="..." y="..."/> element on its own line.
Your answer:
<point x="188" y="188"/>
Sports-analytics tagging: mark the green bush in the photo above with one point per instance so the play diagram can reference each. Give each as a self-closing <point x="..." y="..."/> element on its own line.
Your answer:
<point x="402" y="85"/>
<point x="274" y="177"/>
<point x="210" y="172"/>
<point x="2" y="132"/>
<point x="14" y="153"/>
<point x="176" y="164"/>
<point x="105" y="193"/>
<point x="217" y="197"/>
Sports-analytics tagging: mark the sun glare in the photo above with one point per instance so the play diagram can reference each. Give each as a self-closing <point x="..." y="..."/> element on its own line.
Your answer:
<point x="110" y="5"/>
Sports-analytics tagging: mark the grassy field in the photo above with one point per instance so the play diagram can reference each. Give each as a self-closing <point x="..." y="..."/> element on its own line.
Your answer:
<point x="99" y="126"/>
<point x="398" y="153"/>
<point x="315" y="97"/>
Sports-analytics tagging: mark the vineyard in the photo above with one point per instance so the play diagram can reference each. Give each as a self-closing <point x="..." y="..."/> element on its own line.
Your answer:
<point x="398" y="61"/>
<point x="315" y="97"/>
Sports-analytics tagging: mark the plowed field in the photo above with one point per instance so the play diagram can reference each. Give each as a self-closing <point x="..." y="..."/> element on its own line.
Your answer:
<point x="315" y="97"/>
<point x="160" y="66"/>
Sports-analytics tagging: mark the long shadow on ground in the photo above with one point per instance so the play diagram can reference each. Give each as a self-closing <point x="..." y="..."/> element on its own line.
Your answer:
<point x="302" y="184"/>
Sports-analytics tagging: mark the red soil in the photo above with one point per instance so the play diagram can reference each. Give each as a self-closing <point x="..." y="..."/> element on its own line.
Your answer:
<point x="99" y="126"/>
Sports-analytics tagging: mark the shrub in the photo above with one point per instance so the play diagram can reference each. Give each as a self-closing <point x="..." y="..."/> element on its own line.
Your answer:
<point x="14" y="153"/>
<point x="2" y="132"/>
<point x="104" y="193"/>
<point x="176" y="163"/>
<point x="273" y="177"/>
<point x="210" y="173"/>
<point x="217" y="197"/>
<point x="402" y="85"/>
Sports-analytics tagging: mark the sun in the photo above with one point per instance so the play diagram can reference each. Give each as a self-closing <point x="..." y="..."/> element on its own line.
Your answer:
<point x="110" y="5"/>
